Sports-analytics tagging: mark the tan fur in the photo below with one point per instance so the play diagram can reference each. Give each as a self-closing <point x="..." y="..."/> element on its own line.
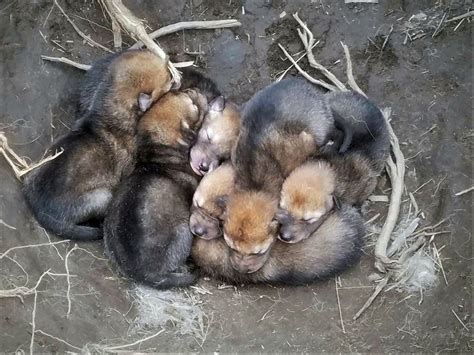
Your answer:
<point x="165" y="120"/>
<point x="218" y="183"/>
<point x="307" y="188"/>
<point x="226" y="127"/>
<point x="137" y="72"/>
<point x="248" y="220"/>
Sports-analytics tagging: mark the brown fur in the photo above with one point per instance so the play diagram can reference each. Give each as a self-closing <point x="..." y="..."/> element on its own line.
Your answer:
<point x="307" y="189"/>
<point x="248" y="224"/>
<point x="172" y="116"/>
<point x="334" y="247"/>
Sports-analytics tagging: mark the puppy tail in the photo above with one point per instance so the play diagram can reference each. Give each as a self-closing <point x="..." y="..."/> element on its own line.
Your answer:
<point x="170" y="280"/>
<point x="345" y="127"/>
<point x="68" y="230"/>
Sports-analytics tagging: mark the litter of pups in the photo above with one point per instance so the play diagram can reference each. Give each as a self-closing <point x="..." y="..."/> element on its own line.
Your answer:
<point x="282" y="178"/>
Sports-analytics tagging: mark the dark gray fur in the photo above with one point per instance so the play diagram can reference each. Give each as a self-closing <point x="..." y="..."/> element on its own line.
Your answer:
<point x="279" y="111"/>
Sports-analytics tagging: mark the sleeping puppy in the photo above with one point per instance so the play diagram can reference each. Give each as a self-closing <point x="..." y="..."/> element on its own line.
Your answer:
<point x="333" y="248"/>
<point x="282" y="126"/>
<point x="209" y="202"/>
<point x="308" y="194"/>
<point x="216" y="137"/>
<point x="146" y="231"/>
<point x="220" y="127"/>
<point x="77" y="186"/>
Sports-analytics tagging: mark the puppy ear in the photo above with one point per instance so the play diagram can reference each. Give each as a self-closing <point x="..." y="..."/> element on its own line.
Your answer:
<point x="282" y="216"/>
<point x="144" y="101"/>
<point x="221" y="201"/>
<point x="217" y="104"/>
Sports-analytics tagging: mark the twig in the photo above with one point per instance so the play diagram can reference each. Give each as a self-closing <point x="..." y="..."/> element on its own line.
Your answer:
<point x="439" y="28"/>
<point x="68" y="292"/>
<point x="372" y="219"/>
<point x="31" y="246"/>
<point x="339" y="305"/>
<point x="58" y="339"/>
<point x="459" y="319"/>
<point x="396" y="172"/>
<point x="467" y="14"/>
<point x="308" y="41"/>
<point x="350" y="76"/>
<point x="191" y="25"/>
<point x="305" y="74"/>
<point x="292" y="65"/>
<point x="361" y="1"/>
<point x="130" y="23"/>
<point x="88" y="39"/>
<point x="7" y="225"/>
<point x="117" y="35"/>
<point x="438" y="257"/>
<point x="33" y="314"/>
<point x="134" y="343"/>
<point x="371" y="299"/>
<point x="460" y="193"/>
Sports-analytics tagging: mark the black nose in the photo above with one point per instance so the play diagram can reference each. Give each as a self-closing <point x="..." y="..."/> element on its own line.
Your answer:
<point x="285" y="236"/>
<point x="199" y="231"/>
<point x="204" y="167"/>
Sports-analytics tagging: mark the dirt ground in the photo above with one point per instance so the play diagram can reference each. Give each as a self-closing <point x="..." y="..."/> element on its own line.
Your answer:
<point x="428" y="84"/>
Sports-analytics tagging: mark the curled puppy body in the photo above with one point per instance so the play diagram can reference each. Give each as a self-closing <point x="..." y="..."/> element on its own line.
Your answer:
<point x="77" y="186"/>
<point x="363" y="124"/>
<point x="146" y="231"/>
<point x="310" y="191"/>
<point x="209" y="201"/>
<point x="216" y="137"/>
<point x="333" y="248"/>
<point x="115" y="74"/>
<point x="220" y="127"/>
<point x="282" y="126"/>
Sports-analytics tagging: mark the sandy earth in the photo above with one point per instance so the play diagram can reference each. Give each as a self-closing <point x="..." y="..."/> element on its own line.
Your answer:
<point x="428" y="84"/>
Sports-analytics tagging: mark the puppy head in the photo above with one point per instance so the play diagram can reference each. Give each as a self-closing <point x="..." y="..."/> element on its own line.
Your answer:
<point x="174" y="119"/>
<point x="250" y="229"/>
<point x="209" y="202"/>
<point x="306" y="195"/>
<point x="140" y="78"/>
<point x="218" y="133"/>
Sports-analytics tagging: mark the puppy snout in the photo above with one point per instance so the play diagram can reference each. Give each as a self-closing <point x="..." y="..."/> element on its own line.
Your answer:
<point x="285" y="235"/>
<point x="198" y="231"/>
<point x="204" y="166"/>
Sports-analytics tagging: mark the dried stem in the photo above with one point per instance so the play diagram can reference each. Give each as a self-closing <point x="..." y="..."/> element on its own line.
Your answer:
<point x="79" y="32"/>
<point x="305" y="74"/>
<point x="130" y="23"/>
<point x="350" y="76"/>
<point x="190" y="25"/>
<point x="308" y="41"/>
<point x="66" y="61"/>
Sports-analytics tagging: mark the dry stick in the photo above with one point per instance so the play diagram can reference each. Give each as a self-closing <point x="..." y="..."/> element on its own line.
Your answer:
<point x="460" y="193"/>
<point x="339" y="306"/>
<point x="31" y="246"/>
<point x="459" y="319"/>
<point x="79" y="32"/>
<point x="291" y="66"/>
<point x="117" y="35"/>
<point x="350" y="76"/>
<point x="381" y="285"/>
<point x="305" y="74"/>
<point x="134" y="343"/>
<point x="130" y="23"/>
<point x="2" y="222"/>
<point x="58" y="339"/>
<point x="33" y="314"/>
<point x="308" y="41"/>
<point x="396" y="171"/>
<point x="467" y="14"/>
<point x="190" y="25"/>
<point x="87" y="67"/>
